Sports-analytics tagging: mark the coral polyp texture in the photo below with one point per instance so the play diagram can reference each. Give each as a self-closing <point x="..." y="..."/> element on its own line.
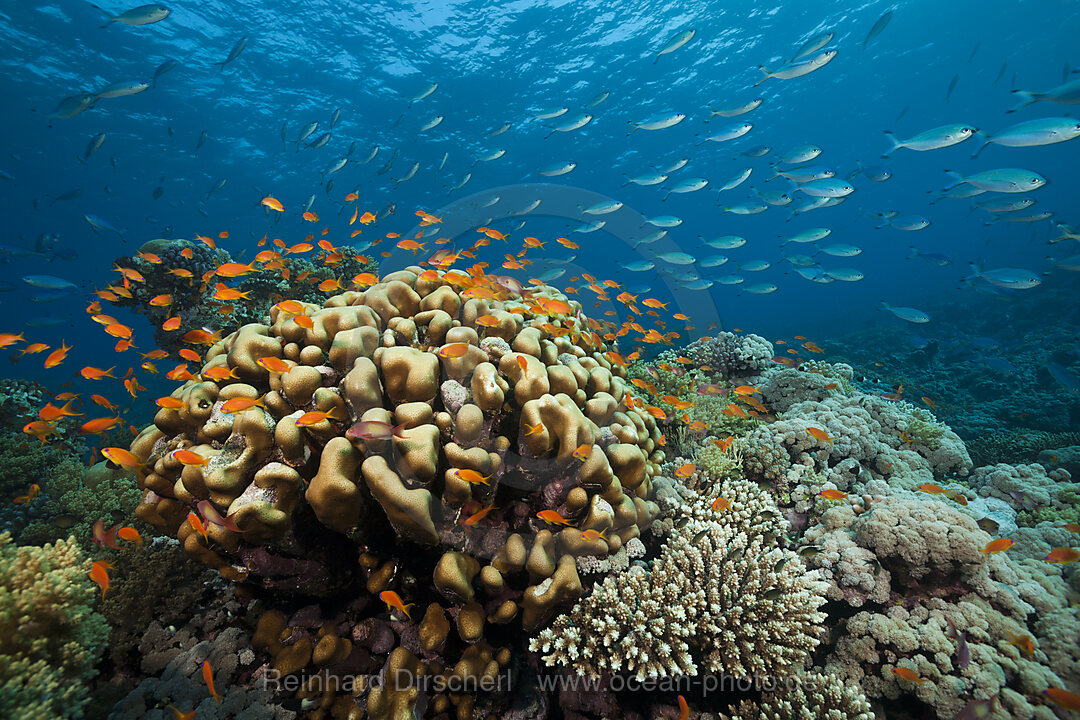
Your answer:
<point x="424" y="421"/>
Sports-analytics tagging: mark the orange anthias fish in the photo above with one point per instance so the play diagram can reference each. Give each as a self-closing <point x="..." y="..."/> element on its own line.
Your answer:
<point x="394" y="602"/>
<point x="130" y="534"/>
<point x="208" y="676"/>
<point x="1064" y="698"/>
<point x="93" y="373"/>
<point x="57" y="356"/>
<point x="592" y="535"/>
<point x="908" y="675"/>
<point x="479" y="515"/>
<point x="999" y="545"/>
<point x="99" y="425"/>
<point x="121" y="457"/>
<point x="686" y="470"/>
<point x="274" y="364"/>
<point x="99" y="573"/>
<point x="684" y="709"/>
<point x="32" y="493"/>
<point x="187" y="457"/>
<point x="833" y="494"/>
<point x="470" y="476"/>
<point x="819" y="434"/>
<point x="272" y="203"/>
<point x="1025" y="643"/>
<point x="197" y="525"/>
<point x="240" y="404"/>
<point x="553" y="517"/>
<point x="452" y="351"/>
<point x="315" y="416"/>
<point x="1063" y="556"/>
<point x="582" y="452"/>
<point x="721" y="503"/>
<point x="932" y="489"/>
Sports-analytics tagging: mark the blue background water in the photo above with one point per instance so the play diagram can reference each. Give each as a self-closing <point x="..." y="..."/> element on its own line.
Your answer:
<point x="505" y="63"/>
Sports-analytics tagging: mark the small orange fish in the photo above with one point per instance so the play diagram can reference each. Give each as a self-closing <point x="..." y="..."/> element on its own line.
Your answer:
<point x="219" y="373"/>
<point x="1064" y="698"/>
<point x="171" y="324"/>
<point x="452" y="351"/>
<point x="330" y="285"/>
<point x="161" y="300"/>
<point x="197" y="525"/>
<point x="523" y="363"/>
<point x="721" y="503"/>
<point x="932" y="489"/>
<point x="999" y="545"/>
<point x="232" y="270"/>
<point x="833" y="494"/>
<point x="479" y="515"/>
<point x="591" y="535"/>
<point x="208" y="676"/>
<point x="170" y="403"/>
<point x="686" y="470"/>
<point x="684" y="709"/>
<point x="819" y="434"/>
<point x="582" y="452"/>
<point x="121" y="457"/>
<point x="32" y="493"/>
<point x="908" y="675"/>
<point x="1025" y="643"/>
<point x="725" y="443"/>
<point x="1063" y="556"/>
<point x="316" y="416"/>
<point x="99" y="425"/>
<point x="272" y="203"/>
<point x="130" y="534"/>
<point x="394" y="602"/>
<point x="57" y="356"/>
<point x="470" y="476"/>
<point x="187" y="457"/>
<point x="240" y="404"/>
<point x="99" y="573"/>
<point x="534" y="429"/>
<point x="553" y="517"/>
<point x="274" y="364"/>
<point x="189" y="355"/>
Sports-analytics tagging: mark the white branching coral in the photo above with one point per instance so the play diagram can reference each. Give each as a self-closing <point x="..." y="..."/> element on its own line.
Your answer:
<point x="812" y="695"/>
<point x="721" y="596"/>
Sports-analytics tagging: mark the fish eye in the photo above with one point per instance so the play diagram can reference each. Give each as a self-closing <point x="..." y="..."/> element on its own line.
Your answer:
<point x="1034" y="181"/>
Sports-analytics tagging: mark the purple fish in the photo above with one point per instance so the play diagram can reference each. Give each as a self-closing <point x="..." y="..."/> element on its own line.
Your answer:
<point x="963" y="655"/>
<point x="978" y="709"/>
<point x="375" y="430"/>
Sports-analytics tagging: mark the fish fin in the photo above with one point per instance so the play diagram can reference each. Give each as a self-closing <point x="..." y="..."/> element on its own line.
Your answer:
<point x="1026" y="99"/>
<point x="958" y="179"/>
<point x="896" y="144"/>
<point x="985" y="142"/>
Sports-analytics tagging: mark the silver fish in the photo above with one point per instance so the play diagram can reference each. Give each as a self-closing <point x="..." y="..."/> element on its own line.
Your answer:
<point x="336" y="166"/>
<point x="651" y="238"/>
<point x="162" y="69"/>
<point x="552" y="114"/>
<point x="805" y="174"/>
<point x="736" y="110"/>
<point x="305" y="133"/>
<point x="800" y="154"/>
<point x="1044" y="131"/>
<point x="845" y="274"/>
<point x="556" y="169"/>
<point x="729" y="133"/>
<point x="749" y="208"/>
<point x="877" y="27"/>
<point x="827" y="187"/>
<point x="1011" y="278"/>
<point x="755" y="265"/>
<point x="334" y="118"/>
<point x="571" y="125"/>
<point x="94" y="145"/>
<point x="432" y="87"/>
<point x="122" y="89"/>
<point x="812" y="45"/>
<point x="737" y="180"/>
<point x="497" y="131"/>
<point x="797" y="69"/>
<point x="601" y="97"/>
<point x="371" y="155"/>
<point x="1006" y="180"/>
<point x="905" y="313"/>
<point x="909" y="223"/>
<point x="142" y="15"/>
<point x="731" y="280"/>
<point x="658" y="122"/>
<point x="713" y="261"/>
<point x="933" y="139"/>
<point x="650" y="179"/>
<point x="603" y="208"/>
<point x="726" y="242"/>
<point x="639" y="266"/>
<point x="675" y="43"/>
<point x="808" y="236"/>
<point x="677" y="258"/>
<point x="842" y="250"/>
<point x="467" y="178"/>
<point x="676" y="165"/>
<point x="99" y="223"/>
<point x="495" y="155"/>
<point x="686" y="186"/>
<point x="760" y="288"/>
<point x="664" y="221"/>
<point x="1065" y="94"/>
<point x="408" y="175"/>
<point x="71" y="106"/>
<point x="433" y="122"/>
<point x="234" y="53"/>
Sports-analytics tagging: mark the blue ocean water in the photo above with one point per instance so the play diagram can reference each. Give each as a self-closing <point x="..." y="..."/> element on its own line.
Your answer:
<point x="505" y="65"/>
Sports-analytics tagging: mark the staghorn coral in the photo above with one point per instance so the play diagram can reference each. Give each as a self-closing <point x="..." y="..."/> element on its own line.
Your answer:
<point x="50" y="635"/>
<point x="720" y="597"/>
<point x="1017" y="446"/>
<point x="810" y="695"/>
<point x="732" y="356"/>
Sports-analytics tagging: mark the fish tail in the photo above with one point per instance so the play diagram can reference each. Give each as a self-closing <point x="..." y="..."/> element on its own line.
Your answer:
<point x="958" y="179"/>
<point x="1026" y="98"/>
<point x="896" y="144"/>
<point x="985" y="142"/>
<point x="913" y="254"/>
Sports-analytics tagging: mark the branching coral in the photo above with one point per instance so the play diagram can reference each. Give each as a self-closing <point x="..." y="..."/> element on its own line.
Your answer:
<point x="811" y="695"/>
<point x="721" y="597"/>
<point x="50" y="635"/>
